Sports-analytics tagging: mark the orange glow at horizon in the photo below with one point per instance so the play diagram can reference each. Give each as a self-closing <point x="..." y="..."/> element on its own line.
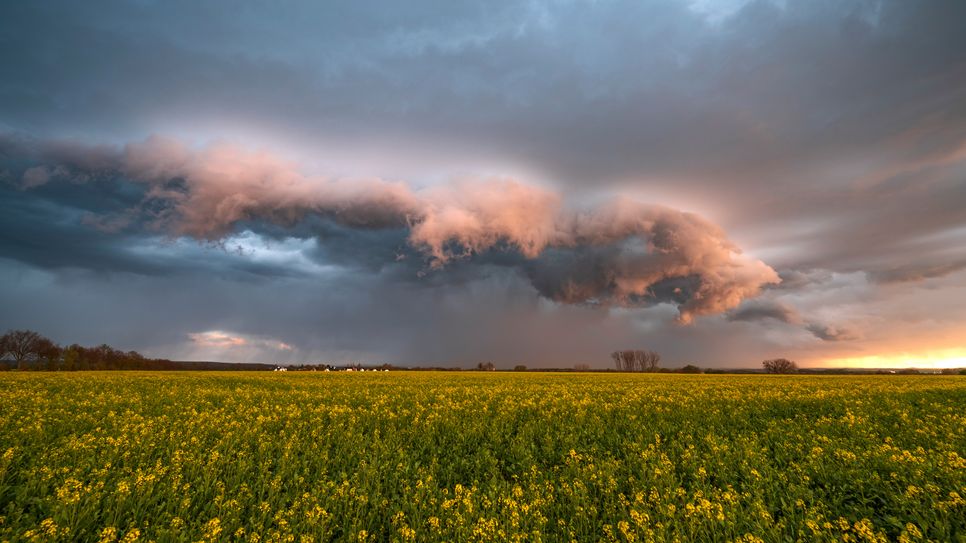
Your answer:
<point x="935" y="359"/>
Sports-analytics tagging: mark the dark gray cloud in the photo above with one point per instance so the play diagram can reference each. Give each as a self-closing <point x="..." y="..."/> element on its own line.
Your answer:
<point x="827" y="332"/>
<point x="828" y="139"/>
<point x="776" y="310"/>
<point x="917" y="272"/>
<point x="53" y="229"/>
<point x="756" y="310"/>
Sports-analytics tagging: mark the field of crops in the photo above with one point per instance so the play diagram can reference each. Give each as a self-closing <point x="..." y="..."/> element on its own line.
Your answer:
<point x="481" y="457"/>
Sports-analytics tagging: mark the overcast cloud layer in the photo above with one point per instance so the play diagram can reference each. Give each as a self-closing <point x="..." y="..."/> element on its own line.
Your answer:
<point x="523" y="182"/>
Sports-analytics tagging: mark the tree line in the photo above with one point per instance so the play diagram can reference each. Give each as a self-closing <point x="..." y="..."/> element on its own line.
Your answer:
<point x="31" y="351"/>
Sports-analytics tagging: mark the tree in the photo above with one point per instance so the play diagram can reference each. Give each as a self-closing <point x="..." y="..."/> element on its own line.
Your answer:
<point x="648" y="360"/>
<point x="636" y="360"/>
<point x="779" y="365"/>
<point x="520" y="367"/>
<point x="581" y="367"/>
<point x="691" y="368"/>
<point x="23" y="345"/>
<point x="72" y="357"/>
<point x="4" y="345"/>
<point x="486" y="366"/>
<point x="48" y="352"/>
<point x="621" y="360"/>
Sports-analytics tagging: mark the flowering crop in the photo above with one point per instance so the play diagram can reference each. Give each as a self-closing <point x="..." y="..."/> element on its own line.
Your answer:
<point x="480" y="457"/>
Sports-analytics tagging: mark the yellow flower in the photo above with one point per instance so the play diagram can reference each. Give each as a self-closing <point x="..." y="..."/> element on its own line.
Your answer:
<point x="213" y="528"/>
<point x="48" y="527"/>
<point x="108" y="535"/>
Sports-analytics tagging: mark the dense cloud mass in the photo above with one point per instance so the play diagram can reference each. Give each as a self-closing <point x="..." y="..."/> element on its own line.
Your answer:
<point x="534" y="182"/>
<point x="623" y="252"/>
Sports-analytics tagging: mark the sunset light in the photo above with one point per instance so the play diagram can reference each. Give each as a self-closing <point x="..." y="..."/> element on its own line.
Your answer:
<point x="939" y="359"/>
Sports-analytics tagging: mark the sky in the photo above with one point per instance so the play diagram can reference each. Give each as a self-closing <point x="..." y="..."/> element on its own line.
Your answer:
<point x="523" y="182"/>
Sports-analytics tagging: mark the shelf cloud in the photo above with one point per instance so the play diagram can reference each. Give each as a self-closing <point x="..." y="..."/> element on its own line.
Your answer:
<point x="621" y="252"/>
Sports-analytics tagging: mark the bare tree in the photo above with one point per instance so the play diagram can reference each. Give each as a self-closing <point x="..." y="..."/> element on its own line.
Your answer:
<point x="581" y="367"/>
<point x="779" y="365"/>
<point x="648" y="360"/>
<point x="23" y="345"/>
<point x="620" y="360"/>
<point x="636" y="360"/>
<point x="624" y="360"/>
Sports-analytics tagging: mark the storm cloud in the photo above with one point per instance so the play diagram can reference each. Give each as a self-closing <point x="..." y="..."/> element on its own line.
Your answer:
<point x="621" y="252"/>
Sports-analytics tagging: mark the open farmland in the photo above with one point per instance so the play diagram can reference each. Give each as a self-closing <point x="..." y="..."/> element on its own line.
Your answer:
<point x="481" y="457"/>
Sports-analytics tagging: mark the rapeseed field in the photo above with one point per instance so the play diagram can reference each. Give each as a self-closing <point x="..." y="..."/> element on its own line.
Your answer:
<point x="367" y="457"/>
